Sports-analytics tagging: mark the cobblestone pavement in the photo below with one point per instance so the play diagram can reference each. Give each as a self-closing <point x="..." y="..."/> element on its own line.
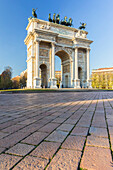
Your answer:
<point x="56" y="131"/>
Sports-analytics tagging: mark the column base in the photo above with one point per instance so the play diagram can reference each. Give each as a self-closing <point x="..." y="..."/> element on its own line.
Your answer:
<point x="37" y="83"/>
<point x="53" y="83"/>
<point x="89" y="86"/>
<point x="72" y="83"/>
<point x="77" y="84"/>
<point x="61" y="85"/>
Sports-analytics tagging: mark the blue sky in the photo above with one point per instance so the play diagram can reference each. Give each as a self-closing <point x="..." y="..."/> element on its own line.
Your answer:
<point x="98" y="14"/>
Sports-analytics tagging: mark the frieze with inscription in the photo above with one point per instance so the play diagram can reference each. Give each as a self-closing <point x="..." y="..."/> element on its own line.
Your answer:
<point x="62" y="31"/>
<point x="64" y="41"/>
<point x="44" y="36"/>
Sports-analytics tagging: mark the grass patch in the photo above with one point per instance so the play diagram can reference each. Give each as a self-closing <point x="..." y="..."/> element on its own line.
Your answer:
<point x="27" y="90"/>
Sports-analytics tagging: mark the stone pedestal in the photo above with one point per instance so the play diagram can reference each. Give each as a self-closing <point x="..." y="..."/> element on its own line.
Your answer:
<point x="53" y="83"/>
<point x="37" y="82"/>
<point x="77" y="84"/>
<point x="89" y="84"/>
<point x="61" y="84"/>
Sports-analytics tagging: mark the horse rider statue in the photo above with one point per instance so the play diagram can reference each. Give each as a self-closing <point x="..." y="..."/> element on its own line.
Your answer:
<point x="58" y="19"/>
<point x="50" y="20"/>
<point x="83" y="26"/>
<point x="54" y="18"/>
<point x="34" y="12"/>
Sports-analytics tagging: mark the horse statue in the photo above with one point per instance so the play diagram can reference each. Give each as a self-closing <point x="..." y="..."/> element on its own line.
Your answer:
<point x="57" y="19"/>
<point x="50" y="20"/>
<point x="69" y="23"/>
<point x="83" y="26"/>
<point x="64" y="22"/>
<point x="34" y="12"/>
<point x="54" y="18"/>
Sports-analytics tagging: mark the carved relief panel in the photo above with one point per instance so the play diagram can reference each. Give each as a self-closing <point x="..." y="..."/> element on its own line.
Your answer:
<point x="82" y="65"/>
<point x="66" y="68"/>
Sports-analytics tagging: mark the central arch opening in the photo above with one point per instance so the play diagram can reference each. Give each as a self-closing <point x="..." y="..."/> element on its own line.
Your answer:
<point x="62" y="69"/>
<point x="43" y="68"/>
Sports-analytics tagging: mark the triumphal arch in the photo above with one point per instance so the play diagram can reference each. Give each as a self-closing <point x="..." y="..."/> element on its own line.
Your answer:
<point x="45" y="40"/>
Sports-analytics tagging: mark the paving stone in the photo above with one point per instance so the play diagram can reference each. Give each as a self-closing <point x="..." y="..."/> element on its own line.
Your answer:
<point x="81" y="131"/>
<point x="65" y="160"/>
<point x="13" y="128"/>
<point x="20" y="149"/>
<point x="6" y="124"/>
<point x="76" y="116"/>
<point x="57" y="114"/>
<point x="59" y="120"/>
<point x="71" y="121"/>
<point x="101" y="132"/>
<point x="74" y="142"/>
<point x="65" y="127"/>
<point x="37" y="112"/>
<point x="3" y="135"/>
<point x="12" y="139"/>
<point x="49" y="127"/>
<point x="31" y="128"/>
<point x="57" y="136"/>
<point x="35" y="138"/>
<point x="111" y="140"/>
<point x="27" y="121"/>
<point x="96" y="158"/>
<point x="97" y="141"/>
<point x="110" y="123"/>
<point x="83" y="123"/>
<point x="31" y="163"/>
<point x="99" y="124"/>
<point x="7" y="161"/>
<point x="2" y="149"/>
<point x="46" y="150"/>
<point x="51" y="117"/>
<point x="43" y="121"/>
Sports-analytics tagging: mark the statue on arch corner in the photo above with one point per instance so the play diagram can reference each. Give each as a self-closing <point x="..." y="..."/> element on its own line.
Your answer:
<point x="34" y="12"/>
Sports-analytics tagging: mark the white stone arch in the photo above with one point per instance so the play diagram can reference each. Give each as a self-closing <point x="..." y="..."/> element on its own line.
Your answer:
<point x="66" y="59"/>
<point x="47" y="66"/>
<point x="65" y="49"/>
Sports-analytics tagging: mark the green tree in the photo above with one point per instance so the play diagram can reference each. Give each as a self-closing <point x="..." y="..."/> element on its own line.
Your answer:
<point x="5" y="80"/>
<point x="23" y="81"/>
<point x="15" y="84"/>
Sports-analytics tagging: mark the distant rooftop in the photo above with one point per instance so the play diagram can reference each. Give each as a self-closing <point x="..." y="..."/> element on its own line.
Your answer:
<point x="102" y="69"/>
<point x="105" y="68"/>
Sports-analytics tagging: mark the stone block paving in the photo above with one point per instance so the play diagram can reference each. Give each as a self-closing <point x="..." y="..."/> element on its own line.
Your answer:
<point x="53" y="131"/>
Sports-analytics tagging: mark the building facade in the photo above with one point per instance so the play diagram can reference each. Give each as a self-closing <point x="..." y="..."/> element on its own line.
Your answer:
<point x="45" y="40"/>
<point x="102" y="78"/>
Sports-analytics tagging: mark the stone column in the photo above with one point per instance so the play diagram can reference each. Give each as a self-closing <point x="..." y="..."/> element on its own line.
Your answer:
<point x="76" y="63"/>
<point x="77" y="81"/>
<point x="72" y="73"/>
<point x="61" y="82"/>
<point x="37" y="59"/>
<point x="88" y="69"/>
<point x="53" y="60"/>
<point x="32" y="49"/>
<point x="30" y="66"/>
<point x="37" y="80"/>
<point x="53" y="81"/>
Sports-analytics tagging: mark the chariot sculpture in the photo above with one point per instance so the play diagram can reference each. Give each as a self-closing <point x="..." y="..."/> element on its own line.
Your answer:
<point x="56" y="19"/>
